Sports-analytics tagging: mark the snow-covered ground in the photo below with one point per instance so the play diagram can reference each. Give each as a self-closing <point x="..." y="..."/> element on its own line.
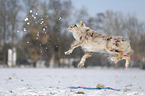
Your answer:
<point x="57" y="82"/>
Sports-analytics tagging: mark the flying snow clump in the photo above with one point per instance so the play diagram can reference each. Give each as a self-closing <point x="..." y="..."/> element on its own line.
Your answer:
<point x="24" y="29"/>
<point x="59" y="18"/>
<point x="26" y="19"/>
<point x="28" y="23"/>
<point x="31" y="11"/>
<point x="37" y="34"/>
<point x="42" y="22"/>
<point x="43" y="29"/>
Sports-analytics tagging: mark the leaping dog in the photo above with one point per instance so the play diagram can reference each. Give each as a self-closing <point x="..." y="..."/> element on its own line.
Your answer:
<point x="92" y="41"/>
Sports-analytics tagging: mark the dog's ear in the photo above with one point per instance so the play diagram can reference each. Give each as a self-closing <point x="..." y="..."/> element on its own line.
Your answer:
<point x="75" y="26"/>
<point x="81" y="23"/>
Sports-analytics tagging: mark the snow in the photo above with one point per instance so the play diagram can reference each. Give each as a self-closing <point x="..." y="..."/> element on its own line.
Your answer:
<point x="59" y="18"/>
<point x="42" y="22"/>
<point x="26" y="19"/>
<point x="31" y="11"/>
<point x="58" y="82"/>
<point x="38" y="34"/>
<point x="24" y="29"/>
<point x="28" y="23"/>
<point x="34" y="17"/>
<point x="43" y="29"/>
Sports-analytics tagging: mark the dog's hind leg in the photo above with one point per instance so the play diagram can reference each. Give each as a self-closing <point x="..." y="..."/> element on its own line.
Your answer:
<point x="127" y="58"/>
<point x="115" y="59"/>
<point x="89" y="54"/>
<point x="119" y="56"/>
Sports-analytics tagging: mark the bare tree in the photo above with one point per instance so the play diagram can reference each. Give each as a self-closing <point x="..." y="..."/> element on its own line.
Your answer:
<point x="58" y="13"/>
<point x="4" y="23"/>
<point x="14" y="9"/>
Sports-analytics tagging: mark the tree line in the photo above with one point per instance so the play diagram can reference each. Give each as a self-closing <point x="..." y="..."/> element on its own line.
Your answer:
<point x="38" y="30"/>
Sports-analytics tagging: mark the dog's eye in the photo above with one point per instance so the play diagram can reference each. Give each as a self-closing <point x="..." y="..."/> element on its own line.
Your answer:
<point x="75" y="25"/>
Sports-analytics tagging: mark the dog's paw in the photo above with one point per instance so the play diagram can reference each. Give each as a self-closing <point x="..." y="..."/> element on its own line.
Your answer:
<point x="81" y="65"/>
<point x="67" y="52"/>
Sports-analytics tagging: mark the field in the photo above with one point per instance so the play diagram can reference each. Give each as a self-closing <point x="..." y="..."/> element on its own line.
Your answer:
<point x="72" y="82"/>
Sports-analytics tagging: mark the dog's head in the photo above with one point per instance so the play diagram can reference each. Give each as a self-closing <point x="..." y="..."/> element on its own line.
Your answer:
<point x="76" y="27"/>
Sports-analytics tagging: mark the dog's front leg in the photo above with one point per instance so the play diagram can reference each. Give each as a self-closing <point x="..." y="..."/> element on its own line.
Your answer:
<point x="89" y="54"/>
<point x="74" y="45"/>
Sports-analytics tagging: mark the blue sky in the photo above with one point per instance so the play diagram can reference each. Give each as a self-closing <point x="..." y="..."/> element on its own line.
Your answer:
<point x="133" y="7"/>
